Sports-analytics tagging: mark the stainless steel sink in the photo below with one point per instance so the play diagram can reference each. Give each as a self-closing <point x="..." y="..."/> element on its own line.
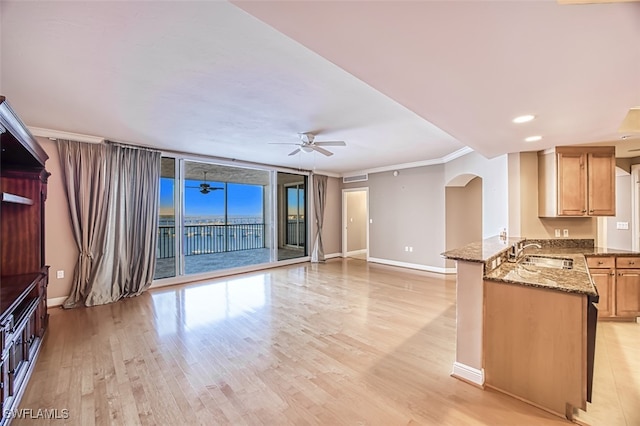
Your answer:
<point x="547" y="262"/>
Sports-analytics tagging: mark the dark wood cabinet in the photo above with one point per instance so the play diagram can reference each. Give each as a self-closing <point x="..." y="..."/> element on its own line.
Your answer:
<point x="23" y="274"/>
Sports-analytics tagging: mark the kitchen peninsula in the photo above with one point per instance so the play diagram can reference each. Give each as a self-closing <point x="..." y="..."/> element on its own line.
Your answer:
<point x="526" y="319"/>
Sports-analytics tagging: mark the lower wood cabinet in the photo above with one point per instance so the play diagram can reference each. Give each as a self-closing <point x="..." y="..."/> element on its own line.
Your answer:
<point x="21" y="328"/>
<point x="605" y="280"/>
<point x="618" y="282"/>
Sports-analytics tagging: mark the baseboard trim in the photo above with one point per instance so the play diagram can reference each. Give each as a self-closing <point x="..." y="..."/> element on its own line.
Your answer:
<point x="56" y="301"/>
<point x="356" y="252"/>
<point x="427" y="268"/>
<point x="468" y="374"/>
<point x="332" y="255"/>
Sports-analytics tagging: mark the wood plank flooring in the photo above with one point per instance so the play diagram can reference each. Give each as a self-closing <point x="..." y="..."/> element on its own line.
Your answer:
<point x="340" y="343"/>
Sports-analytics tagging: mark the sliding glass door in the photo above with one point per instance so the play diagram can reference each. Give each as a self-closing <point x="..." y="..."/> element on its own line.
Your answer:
<point x="296" y="229"/>
<point x="215" y="217"/>
<point x="224" y="217"/>
<point x="292" y="213"/>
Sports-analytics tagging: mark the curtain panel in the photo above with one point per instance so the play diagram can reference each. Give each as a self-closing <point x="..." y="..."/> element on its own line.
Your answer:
<point x="319" y="201"/>
<point x="113" y="192"/>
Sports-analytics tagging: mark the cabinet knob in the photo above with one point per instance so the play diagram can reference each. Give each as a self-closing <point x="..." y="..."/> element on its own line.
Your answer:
<point x="600" y="262"/>
<point x="584" y="211"/>
<point x="632" y="263"/>
<point x="590" y="211"/>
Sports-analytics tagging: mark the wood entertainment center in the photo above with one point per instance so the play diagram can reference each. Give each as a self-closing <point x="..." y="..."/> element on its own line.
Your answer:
<point x="23" y="274"/>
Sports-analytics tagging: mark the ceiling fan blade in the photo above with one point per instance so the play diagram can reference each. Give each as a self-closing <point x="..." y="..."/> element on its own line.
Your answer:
<point x="330" y="143"/>
<point x="321" y="150"/>
<point x="282" y="143"/>
<point x="295" y="152"/>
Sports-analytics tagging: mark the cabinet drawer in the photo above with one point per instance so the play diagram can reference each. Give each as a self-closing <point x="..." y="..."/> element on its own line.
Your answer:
<point x="601" y="262"/>
<point x="627" y="262"/>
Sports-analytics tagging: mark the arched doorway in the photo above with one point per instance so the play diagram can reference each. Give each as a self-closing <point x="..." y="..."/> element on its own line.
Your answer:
<point x="463" y="212"/>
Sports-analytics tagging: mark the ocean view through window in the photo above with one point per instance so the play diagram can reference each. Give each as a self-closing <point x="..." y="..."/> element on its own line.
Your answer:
<point x="215" y="217"/>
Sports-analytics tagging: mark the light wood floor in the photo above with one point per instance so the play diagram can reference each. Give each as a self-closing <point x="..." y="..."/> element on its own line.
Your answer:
<point x="344" y="342"/>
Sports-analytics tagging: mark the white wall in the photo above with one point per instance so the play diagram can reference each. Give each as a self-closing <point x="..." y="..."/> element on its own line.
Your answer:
<point x="407" y="210"/>
<point x="495" y="189"/>
<point x="619" y="238"/>
<point x="61" y="250"/>
<point x="332" y="225"/>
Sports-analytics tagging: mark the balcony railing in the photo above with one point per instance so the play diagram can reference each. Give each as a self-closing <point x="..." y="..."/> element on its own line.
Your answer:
<point x="296" y="233"/>
<point x="207" y="239"/>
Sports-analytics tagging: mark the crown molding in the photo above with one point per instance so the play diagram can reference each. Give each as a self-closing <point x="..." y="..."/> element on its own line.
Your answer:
<point x="443" y="160"/>
<point x="57" y="134"/>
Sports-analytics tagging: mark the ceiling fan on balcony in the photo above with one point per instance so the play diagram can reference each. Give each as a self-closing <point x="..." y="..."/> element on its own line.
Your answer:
<point x="205" y="187"/>
<point x="308" y="144"/>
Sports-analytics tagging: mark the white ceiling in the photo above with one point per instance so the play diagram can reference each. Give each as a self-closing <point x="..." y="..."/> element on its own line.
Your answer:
<point x="216" y="79"/>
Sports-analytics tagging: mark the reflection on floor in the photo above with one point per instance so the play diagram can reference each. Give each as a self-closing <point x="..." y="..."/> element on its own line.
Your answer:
<point x="616" y="383"/>
<point x="289" y="252"/>
<point x="200" y="263"/>
<point x="343" y="342"/>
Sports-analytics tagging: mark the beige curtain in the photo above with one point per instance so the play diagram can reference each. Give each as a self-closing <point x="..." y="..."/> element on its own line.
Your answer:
<point x="113" y="203"/>
<point x="319" y="200"/>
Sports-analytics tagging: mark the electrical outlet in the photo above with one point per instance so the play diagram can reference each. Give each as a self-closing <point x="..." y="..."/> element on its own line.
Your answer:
<point x="59" y="274"/>
<point x="557" y="233"/>
<point x="406" y="248"/>
<point x="565" y="233"/>
<point x="410" y="249"/>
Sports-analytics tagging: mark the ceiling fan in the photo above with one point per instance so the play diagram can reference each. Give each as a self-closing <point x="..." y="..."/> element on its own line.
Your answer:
<point x="307" y="144"/>
<point x="205" y="187"/>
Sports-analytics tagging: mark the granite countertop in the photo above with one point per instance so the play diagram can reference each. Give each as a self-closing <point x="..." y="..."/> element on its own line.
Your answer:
<point x="575" y="280"/>
<point x="481" y="251"/>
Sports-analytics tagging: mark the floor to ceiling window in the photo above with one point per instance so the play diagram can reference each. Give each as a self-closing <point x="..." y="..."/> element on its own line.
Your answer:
<point x="215" y="217"/>
<point x="166" y="247"/>
<point x="292" y="216"/>
<point x="224" y="217"/>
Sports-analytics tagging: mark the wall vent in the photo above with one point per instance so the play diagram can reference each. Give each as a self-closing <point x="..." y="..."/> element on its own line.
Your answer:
<point x="356" y="178"/>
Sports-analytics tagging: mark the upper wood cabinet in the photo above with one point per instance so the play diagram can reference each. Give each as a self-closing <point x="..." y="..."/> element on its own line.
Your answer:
<point x="577" y="181"/>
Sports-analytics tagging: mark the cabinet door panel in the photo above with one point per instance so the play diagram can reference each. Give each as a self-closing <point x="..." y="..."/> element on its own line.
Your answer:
<point x="599" y="262"/>
<point x="602" y="184"/>
<point x="628" y="293"/>
<point x="604" y="279"/>
<point x="572" y="182"/>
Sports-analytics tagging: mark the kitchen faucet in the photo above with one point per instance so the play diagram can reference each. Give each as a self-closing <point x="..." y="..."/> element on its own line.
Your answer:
<point x="516" y="251"/>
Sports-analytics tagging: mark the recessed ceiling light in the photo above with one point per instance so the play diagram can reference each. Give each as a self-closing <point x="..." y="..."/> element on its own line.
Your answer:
<point x="523" y="118"/>
<point x="533" y="139"/>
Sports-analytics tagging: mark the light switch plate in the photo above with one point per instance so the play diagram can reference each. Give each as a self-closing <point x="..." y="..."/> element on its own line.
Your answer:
<point x="565" y="233"/>
<point x="557" y="233"/>
<point x="59" y="274"/>
<point x="622" y="225"/>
